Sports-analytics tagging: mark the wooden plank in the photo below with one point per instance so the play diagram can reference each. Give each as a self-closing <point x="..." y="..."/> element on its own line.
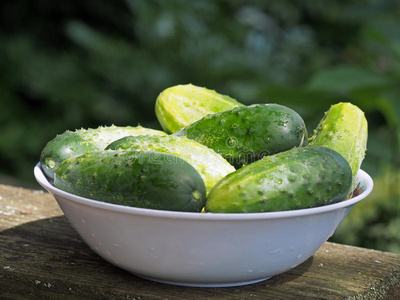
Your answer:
<point x="42" y="257"/>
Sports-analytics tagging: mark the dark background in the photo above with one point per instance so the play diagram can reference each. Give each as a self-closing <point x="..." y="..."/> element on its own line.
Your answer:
<point x="73" y="64"/>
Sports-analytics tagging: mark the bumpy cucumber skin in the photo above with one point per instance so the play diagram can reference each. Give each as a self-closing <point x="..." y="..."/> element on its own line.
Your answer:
<point x="245" y="134"/>
<point x="71" y="143"/>
<point x="210" y="165"/>
<point x="295" y="179"/>
<point x="139" y="179"/>
<point x="344" y="129"/>
<point x="181" y="105"/>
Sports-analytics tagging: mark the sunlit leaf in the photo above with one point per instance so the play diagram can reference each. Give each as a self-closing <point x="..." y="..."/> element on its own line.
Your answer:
<point x="346" y="78"/>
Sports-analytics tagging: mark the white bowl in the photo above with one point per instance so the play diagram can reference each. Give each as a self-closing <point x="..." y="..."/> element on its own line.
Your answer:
<point x="202" y="249"/>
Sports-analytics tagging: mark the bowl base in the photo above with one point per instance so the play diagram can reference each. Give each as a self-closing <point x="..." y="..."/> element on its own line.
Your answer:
<point x="203" y="284"/>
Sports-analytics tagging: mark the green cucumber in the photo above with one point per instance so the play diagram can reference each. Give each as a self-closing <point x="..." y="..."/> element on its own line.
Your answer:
<point x="140" y="179"/>
<point x="344" y="129"/>
<point x="245" y="134"/>
<point x="211" y="166"/>
<point x="80" y="141"/>
<point x="295" y="179"/>
<point x="180" y="105"/>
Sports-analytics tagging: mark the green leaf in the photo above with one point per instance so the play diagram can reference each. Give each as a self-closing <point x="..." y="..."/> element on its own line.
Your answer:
<point x="346" y="78"/>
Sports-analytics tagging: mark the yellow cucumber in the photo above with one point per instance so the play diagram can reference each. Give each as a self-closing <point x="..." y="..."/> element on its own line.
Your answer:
<point x="210" y="165"/>
<point x="344" y="129"/>
<point x="71" y="143"/>
<point x="181" y="105"/>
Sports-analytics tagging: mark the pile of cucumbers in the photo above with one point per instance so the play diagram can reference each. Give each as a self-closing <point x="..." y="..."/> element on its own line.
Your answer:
<point x="213" y="155"/>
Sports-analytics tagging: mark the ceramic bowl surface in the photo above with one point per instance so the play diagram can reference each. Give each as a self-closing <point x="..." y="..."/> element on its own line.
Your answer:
<point x="202" y="249"/>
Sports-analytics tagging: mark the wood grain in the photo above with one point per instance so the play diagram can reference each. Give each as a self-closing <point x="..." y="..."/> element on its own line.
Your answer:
<point x="42" y="257"/>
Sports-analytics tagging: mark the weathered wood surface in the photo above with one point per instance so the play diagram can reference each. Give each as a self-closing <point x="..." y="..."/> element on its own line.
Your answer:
<point x="42" y="257"/>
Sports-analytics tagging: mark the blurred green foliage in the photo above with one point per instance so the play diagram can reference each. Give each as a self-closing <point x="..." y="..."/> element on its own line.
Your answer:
<point x="72" y="64"/>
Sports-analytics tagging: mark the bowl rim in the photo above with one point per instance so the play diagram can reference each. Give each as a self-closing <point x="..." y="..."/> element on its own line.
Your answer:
<point x="362" y="176"/>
